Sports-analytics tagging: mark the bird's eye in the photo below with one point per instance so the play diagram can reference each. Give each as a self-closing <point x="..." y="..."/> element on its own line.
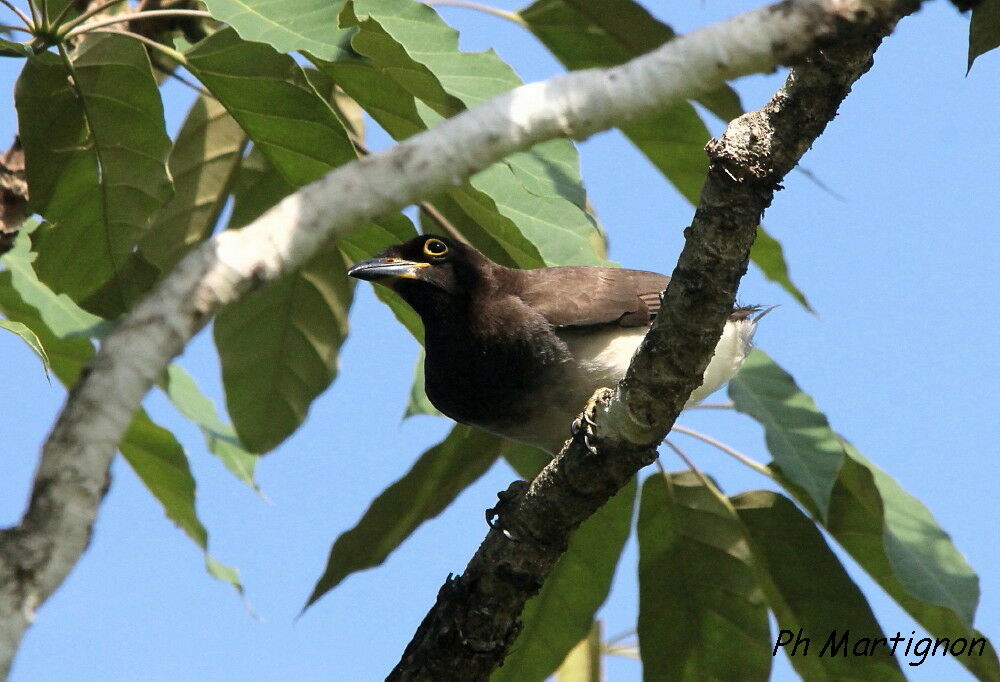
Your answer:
<point x="435" y="248"/>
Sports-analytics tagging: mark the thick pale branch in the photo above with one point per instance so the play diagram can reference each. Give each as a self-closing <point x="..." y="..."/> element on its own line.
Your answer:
<point x="36" y="556"/>
<point x="468" y="631"/>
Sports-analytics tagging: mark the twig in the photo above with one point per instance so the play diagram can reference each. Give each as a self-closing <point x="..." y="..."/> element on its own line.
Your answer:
<point x="172" y="73"/>
<point x="427" y="207"/>
<point x="446" y="225"/>
<point x="170" y="52"/>
<point x="136" y="16"/>
<point x="503" y="14"/>
<point x="73" y="23"/>
<point x="732" y="452"/>
<point x="711" y="406"/>
<point x="690" y="465"/>
<point x="16" y="10"/>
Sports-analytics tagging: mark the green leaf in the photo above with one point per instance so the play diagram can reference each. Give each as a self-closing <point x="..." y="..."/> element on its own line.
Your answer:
<point x="278" y="348"/>
<point x="984" y="29"/>
<point x="604" y="33"/>
<point x="279" y="345"/>
<point x="583" y="663"/>
<point x="897" y="541"/>
<point x="57" y="312"/>
<point x="768" y="255"/>
<point x="401" y="115"/>
<point x="30" y="338"/>
<point x="203" y="162"/>
<point x="435" y="479"/>
<point x="419" y="403"/>
<point x="562" y="613"/>
<point x="95" y="150"/>
<point x="888" y="532"/>
<point x="798" y="435"/>
<point x="287" y="25"/>
<point x="585" y="34"/>
<point x="67" y="356"/>
<point x="415" y="55"/>
<point x="10" y="48"/>
<point x="702" y="613"/>
<point x="809" y="591"/>
<point x="220" y="437"/>
<point x="275" y="104"/>
<point x="159" y="461"/>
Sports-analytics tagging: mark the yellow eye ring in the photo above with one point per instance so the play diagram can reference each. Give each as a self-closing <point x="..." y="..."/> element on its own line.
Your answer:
<point x="435" y="248"/>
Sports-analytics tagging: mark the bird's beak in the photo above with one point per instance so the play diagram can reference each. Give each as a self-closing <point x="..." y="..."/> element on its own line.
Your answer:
<point x="386" y="268"/>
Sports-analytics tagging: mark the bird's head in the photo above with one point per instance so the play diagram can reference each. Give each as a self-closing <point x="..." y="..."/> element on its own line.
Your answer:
<point x="426" y="269"/>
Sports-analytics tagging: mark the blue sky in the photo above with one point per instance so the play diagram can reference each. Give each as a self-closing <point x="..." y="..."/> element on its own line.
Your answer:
<point x="901" y="267"/>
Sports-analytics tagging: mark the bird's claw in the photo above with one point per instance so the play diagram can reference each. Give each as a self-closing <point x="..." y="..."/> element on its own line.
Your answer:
<point x="584" y="425"/>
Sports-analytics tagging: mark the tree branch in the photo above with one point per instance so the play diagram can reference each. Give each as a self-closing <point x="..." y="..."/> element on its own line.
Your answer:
<point x="468" y="631"/>
<point x="37" y="554"/>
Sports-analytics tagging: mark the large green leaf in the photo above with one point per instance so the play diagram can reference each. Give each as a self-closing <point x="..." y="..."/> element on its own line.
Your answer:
<point x="436" y="478"/>
<point x="67" y="356"/>
<point x="887" y="531"/>
<point x="204" y="161"/>
<point x="562" y="613"/>
<point x="220" y="437"/>
<point x="10" y="48"/>
<point x="897" y="541"/>
<point x="95" y="149"/>
<point x="810" y="592"/>
<point x="702" y="613"/>
<point x="275" y="104"/>
<point x="798" y="435"/>
<point x="279" y="345"/>
<point x="984" y="29"/>
<point x="57" y="312"/>
<point x="159" y="461"/>
<point x="29" y="337"/>
<point x="537" y="192"/>
<point x="278" y="348"/>
<point x="401" y="115"/>
<point x="287" y="25"/>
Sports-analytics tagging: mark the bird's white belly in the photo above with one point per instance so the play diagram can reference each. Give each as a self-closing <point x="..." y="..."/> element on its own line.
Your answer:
<point x="601" y="360"/>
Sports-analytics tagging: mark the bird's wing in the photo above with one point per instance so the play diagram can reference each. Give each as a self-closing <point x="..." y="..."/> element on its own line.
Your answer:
<point x="582" y="296"/>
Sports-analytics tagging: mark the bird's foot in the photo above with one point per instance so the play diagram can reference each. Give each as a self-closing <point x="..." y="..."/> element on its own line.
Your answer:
<point x="500" y="517"/>
<point x="584" y="425"/>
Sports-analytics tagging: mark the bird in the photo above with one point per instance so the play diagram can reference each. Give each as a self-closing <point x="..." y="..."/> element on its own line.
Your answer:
<point x="519" y="352"/>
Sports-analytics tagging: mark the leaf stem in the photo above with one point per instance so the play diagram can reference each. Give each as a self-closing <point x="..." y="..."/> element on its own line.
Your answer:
<point x="503" y="14"/>
<point x="73" y="23"/>
<point x="22" y="29"/>
<point x="712" y="406"/>
<point x="170" y="52"/>
<point x="28" y="23"/>
<point x="732" y="452"/>
<point x="135" y="16"/>
<point x="427" y="207"/>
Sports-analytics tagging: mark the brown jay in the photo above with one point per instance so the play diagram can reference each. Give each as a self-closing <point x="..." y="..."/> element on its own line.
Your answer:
<point x="519" y="352"/>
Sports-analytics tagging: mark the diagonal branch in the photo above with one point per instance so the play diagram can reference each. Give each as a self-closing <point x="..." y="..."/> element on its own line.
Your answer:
<point x="468" y="631"/>
<point x="72" y="476"/>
